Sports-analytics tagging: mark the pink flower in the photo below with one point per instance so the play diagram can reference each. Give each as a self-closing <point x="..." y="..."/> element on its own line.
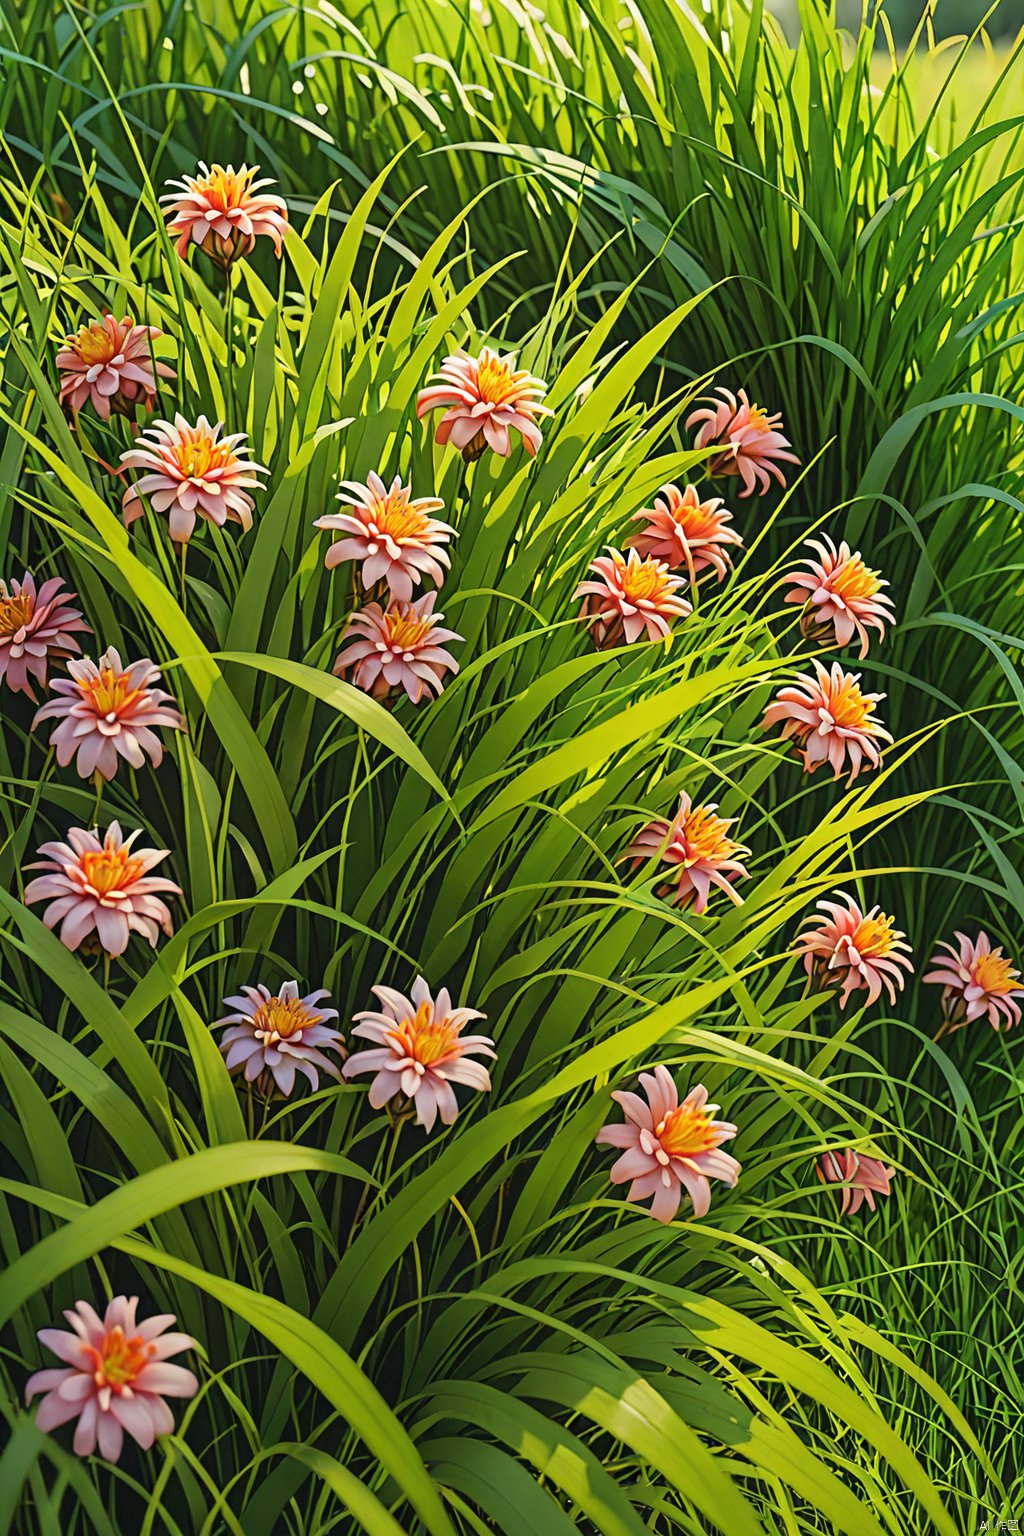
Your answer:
<point x="393" y="536"/>
<point x="862" y="951"/>
<point x="669" y="1147"/>
<point x="103" y="887"/>
<point x="280" y="1035"/>
<point x="110" y="364"/>
<point x="485" y="397"/>
<point x="865" y="1178"/>
<point x="685" y="532"/>
<point x="224" y="212"/>
<point x="829" y="719"/>
<point x="397" y="647"/>
<point x="696" y="847"/>
<point x="190" y="471"/>
<point x="840" y="596"/>
<point x="36" y="628"/>
<point x="631" y="599"/>
<point x="977" y="982"/>
<point x="752" y="446"/>
<point x="115" y="1377"/>
<point x="106" y="712"/>
<point x="420" y="1051"/>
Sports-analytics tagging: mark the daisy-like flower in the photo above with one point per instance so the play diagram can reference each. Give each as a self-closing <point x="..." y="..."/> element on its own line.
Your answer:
<point x="669" y="1147"/>
<point x="110" y="364"/>
<point x="420" y="1051"/>
<point x="36" y="628"/>
<point x="750" y="441"/>
<point x="829" y="720"/>
<point x="977" y="981"/>
<point x="484" y="398"/>
<point x="631" y="599"/>
<point x="224" y="212"/>
<point x="685" y="532"/>
<point x="108" y="711"/>
<point x="396" y="647"/>
<point x="858" y="951"/>
<point x="391" y="534"/>
<point x="102" y="887"/>
<point x="189" y="472"/>
<point x="839" y="595"/>
<point x="865" y="1177"/>
<point x="280" y="1035"/>
<point x="697" y="847"/>
<point x="114" y="1379"/>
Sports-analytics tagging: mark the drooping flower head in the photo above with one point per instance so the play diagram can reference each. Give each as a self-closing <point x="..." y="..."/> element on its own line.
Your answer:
<point x="280" y="1035"/>
<point x="865" y="1178"/>
<point x="751" y="442"/>
<point x="977" y="981"/>
<point x="102" y="887"/>
<point x="685" y="532"/>
<point x="110" y="364"/>
<point x="36" y="628"/>
<point x="391" y="534"/>
<point x="854" y="950"/>
<point x="668" y="1146"/>
<point x="114" y="1379"/>
<point x="829" y="720"/>
<point x="698" y="850"/>
<point x="224" y="212"/>
<point x="484" y="398"/>
<point x="108" y="711"/>
<point x="189" y="472"/>
<point x="396" y="647"/>
<point x="420" y="1051"/>
<point x="631" y="599"/>
<point x="839" y="595"/>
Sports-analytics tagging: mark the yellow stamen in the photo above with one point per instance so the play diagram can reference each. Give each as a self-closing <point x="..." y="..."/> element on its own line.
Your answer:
<point x="686" y="1132"/>
<point x="423" y="1038"/>
<point x="405" y="630"/>
<point x="110" y="870"/>
<point x="94" y="344"/>
<point x="853" y="582"/>
<point x="283" y="1017"/>
<point x="110" y="693"/>
<point x="15" y="613"/>
<point x="994" y="973"/>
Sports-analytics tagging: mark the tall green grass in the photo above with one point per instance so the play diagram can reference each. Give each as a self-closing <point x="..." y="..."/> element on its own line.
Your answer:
<point x="473" y="1333"/>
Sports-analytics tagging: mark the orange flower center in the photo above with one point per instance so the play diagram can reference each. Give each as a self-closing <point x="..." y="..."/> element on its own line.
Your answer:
<point x="15" y="613"/>
<point x="697" y="522"/>
<point x="685" y="1132"/>
<point x="110" y="870"/>
<point x="494" y="380"/>
<point x="110" y="694"/>
<point x="405" y="631"/>
<point x="874" y="937"/>
<point x="643" y="581"/>
<point x="705" y="836"/>
<point x="280" y="1018"/>
<point x="197" y="455"/>
<point x="424" y="1038"/>
<point x="994" y="973"/>
<point x="225" y="189"/>
<point x="119" y="1359"/>
<point x="758" y="417"/>
<point x="399" y="519"/>
<point x="848" y="706"/>
<point x="853" y="582"/>
<point x="94" y="344"/>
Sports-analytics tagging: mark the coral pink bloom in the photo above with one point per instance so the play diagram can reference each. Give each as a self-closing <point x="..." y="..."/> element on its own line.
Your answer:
<point x="115" y="1377"/>
<point x="829" y="719"/>
<point x="752" y="446"/>
<point x="865" y="1178"/>
<point x="669" y="1147"/>
<point x="420" y="1052"/>
<point x="110" y="364"/>
<point x="840" y="596"/>
<point x="631" y="599"/>
<point x="397" y="647"/>
<point x="862" y="951"/>
<point x="191" y="471"/>
<point x="36" y="627"/>
<point x="104" y="887"/>
<point x="685" y="532"/>
<point x="280" y="1035"/>
<point x="393" y="536"/>
<point x="696" y="846"/>
<point x="485" y="397"/>
<point x="224" y="212"/>
<point x="108" y="711"/>
<point x="978" y="981"/>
